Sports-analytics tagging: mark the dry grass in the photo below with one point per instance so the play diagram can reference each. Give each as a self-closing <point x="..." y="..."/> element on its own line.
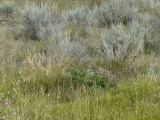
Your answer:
<point x="38" y="79"/>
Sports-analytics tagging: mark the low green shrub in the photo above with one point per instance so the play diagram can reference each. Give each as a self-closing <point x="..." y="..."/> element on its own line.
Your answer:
<point x="89" y="78"/>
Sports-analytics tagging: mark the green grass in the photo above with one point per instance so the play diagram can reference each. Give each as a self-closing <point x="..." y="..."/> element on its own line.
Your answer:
<point x="136" y="100"/>
<point x="39" y="84"/>
<point x="132" y="99"/>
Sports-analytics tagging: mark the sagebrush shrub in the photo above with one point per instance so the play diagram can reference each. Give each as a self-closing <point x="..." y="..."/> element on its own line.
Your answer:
<point x="6" y="12"/>
<point x="121" y="43"/>
<point x="76" y="15"/>
<point x="83" y="15"/>
<point x="152" y="41"/>
<point x="38" y="21"/>
<point x="107" y="13"/>
<point x="116" y="12"/>
<point x="63" y="45"/>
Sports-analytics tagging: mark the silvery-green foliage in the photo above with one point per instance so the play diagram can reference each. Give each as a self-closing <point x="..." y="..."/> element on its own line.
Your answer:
<point x="94" y="16"/>
<point x="142" y="4"/>
<point x="63" y="45"/>
<point x="83" y="15"/>
<point x="93" y="40"/>
<point x="59" y="29"/>
<point x="38" y="21"/>
<point x="6" y="11"/>
<point x="76" y="15"/>
<point x="152" y="37"/>
<point x="107" y="13"/>
<point x="121" y="43"/>
<point x="113" y="13"/>
<point x="152" y="3"/>
<point x="155" y="22"/>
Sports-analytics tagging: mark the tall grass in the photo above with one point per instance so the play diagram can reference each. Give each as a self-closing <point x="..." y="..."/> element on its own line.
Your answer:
<point x="87" y="61"/>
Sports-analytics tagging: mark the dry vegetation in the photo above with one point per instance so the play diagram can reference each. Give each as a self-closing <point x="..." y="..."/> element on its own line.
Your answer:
<point x="79" y="60"/>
